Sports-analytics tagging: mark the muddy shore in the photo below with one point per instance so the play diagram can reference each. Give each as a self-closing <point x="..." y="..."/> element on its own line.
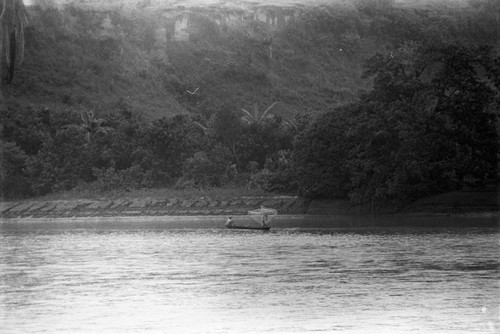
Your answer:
<point x="485" y="204"/>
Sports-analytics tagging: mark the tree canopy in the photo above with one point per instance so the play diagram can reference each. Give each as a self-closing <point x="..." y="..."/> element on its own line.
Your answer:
<point x="428" y="125"/>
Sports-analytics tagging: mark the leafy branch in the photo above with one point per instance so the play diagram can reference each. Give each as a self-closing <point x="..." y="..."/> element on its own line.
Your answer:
<point x="255" y="116"/>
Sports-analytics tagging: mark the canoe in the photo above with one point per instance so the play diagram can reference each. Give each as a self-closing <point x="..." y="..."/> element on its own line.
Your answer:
<point x="264" y="228"/>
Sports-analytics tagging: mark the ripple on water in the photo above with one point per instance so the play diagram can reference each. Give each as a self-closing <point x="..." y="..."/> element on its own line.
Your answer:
<point x="219" y="281"/>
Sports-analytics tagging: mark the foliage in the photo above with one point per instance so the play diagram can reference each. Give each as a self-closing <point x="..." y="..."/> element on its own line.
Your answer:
<point x="255" y="116"/>
<point x="431" y="124"/>
<point x="260" y="140"/>
<point x="320" y="155"/>
<point x="61" y="162"/>
<point x="30" y="125"/>
<point x="278" y="174"/>
<point x="124" y="146"/>
<point x="427" y="126"/>
<point x="172" y="141"/>
<point x="226" y="128"/>
<point x="207" y="169"/>
<point x="91" y="125"/>
<point x="13" y="180"/>
<point x="132" y="178"/>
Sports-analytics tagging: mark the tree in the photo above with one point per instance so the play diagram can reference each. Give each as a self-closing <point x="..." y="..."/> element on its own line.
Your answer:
<point x="428" y="125"/>
<point x="13" y="181"/>
<point x="172" y="141"/>
<point x="320" y="155"/>
<point x="63" y="161"/>
<point x="255" y="116"/>
<point x="91" y="125"/>
<point x="260" y="140"/>
<point x="13" y="18"/>
<point x="226" y="127"/>
<point x="278" y="174"/>
<point x="206" y="168"/>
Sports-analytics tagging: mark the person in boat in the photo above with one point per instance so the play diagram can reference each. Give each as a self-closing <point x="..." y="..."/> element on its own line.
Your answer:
<point x="229" y="222"/>
<point x="265" y="220"/>
<point x="265" y="215"/>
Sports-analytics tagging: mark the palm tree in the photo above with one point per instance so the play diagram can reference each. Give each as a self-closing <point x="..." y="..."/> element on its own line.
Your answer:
<point x="92" y="125"/>
<point x="13" y="18"/>
<point x="256" y="117"/>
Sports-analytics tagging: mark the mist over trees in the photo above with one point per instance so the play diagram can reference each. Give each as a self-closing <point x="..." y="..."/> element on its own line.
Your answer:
<point x="374" y="102"/>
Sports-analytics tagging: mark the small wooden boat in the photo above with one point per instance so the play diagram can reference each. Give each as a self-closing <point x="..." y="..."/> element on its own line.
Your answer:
<point x="262" y="216"/>
<point x="264" y="228"/>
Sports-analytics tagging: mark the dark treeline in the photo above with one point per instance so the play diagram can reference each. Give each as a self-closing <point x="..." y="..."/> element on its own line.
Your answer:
<point x="428" y="124"/>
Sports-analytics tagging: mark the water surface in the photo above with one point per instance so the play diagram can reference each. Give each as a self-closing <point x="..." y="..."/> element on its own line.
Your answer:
<point x="213" y="280"/>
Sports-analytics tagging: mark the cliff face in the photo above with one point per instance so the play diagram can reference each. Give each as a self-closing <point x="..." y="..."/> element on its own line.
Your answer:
<point x="189" y="24"/>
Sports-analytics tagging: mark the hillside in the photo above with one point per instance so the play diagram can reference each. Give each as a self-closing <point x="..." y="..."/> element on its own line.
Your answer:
<point x="149" y="58"/>
<point x="150" y="55"/>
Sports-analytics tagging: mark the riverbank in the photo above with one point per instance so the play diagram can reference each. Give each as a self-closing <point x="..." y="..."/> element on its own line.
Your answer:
<point x="457" y="203"/>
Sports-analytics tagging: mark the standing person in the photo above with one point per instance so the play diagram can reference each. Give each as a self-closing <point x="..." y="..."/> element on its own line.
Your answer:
<point x="229" y="222"/>
<point x="265" y="220"/>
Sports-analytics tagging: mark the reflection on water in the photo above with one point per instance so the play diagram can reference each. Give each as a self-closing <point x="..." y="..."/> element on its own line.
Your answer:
<point x="226" y="281"/>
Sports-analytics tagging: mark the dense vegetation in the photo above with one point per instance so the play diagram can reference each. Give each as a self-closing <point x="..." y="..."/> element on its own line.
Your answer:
<point x="369" y="102"/>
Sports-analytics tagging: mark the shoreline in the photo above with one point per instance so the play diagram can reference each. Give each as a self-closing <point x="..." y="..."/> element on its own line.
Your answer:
<point x="349" y="222"/>
<point x="157" y="209"/>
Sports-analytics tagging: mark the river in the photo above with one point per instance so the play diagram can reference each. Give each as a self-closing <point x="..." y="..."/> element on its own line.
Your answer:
<point x="126" y="279"/>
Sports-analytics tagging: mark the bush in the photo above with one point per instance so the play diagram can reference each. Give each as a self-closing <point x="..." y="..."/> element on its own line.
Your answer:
<point x="278" y="174"/>
<point x="172" y="141"/>
<point x="13" y="180"/>
<point x="132" y="178"/>
<point x="320" y="156"/>
<point x="204" y="171"/>
<point x="261" y="140"/>
<point x="61" y="163"/>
